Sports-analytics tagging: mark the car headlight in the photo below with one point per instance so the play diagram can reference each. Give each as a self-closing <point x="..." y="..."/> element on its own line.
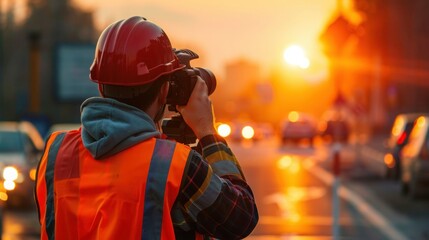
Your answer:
<point x="248" y="132"/>
<point x="9" y="185"/>
<point x="10" y="173"/>
<point x="224" y="130"/>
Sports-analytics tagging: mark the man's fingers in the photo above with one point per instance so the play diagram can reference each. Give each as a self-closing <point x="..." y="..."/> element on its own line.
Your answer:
<point x="200" y="86"/>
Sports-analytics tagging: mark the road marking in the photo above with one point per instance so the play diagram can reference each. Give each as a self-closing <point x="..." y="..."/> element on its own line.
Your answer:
<point x="288" y="237"/>
<point x="309" y="220"/>
<point x="367" y="210"/>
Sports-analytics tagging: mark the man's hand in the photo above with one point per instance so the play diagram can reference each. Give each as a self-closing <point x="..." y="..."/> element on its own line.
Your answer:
<point x="198" y="113"/>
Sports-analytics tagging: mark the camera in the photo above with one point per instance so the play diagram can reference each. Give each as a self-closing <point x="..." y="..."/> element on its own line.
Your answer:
<point x="182" y="84"/>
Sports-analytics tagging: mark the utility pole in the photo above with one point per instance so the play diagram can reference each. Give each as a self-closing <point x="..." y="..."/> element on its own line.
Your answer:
<point x="2" y="67"/>
<point x="335" y="191"/>
<point x="34" y="86"/>
<point x="336" y="163"/>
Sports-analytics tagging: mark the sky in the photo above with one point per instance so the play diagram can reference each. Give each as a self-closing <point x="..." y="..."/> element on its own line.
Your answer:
<point x="223" y="31"/>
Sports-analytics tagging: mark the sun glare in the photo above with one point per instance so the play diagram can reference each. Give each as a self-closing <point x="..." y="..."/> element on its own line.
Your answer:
<point x="295" y="55"/>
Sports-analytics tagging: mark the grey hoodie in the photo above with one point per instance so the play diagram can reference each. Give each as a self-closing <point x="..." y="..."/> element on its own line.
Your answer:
<point x="109" y="126"/>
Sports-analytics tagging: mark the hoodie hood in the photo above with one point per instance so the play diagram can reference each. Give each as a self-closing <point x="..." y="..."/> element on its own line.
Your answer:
<point x="109" y="126"/>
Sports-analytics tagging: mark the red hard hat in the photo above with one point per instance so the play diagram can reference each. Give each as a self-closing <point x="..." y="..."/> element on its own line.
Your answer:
<point x="133" y="52"/>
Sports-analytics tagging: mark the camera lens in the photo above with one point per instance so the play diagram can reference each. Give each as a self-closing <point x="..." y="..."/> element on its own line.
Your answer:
<point x="208" y="77"/>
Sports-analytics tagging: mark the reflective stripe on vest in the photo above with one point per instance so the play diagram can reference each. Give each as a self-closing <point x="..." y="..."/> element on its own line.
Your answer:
<point x="44" y="190"/>
<point x="126" y="196"/>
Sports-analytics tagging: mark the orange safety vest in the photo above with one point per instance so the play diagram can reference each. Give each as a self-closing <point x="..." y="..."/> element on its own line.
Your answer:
<point x="125" y="196"/>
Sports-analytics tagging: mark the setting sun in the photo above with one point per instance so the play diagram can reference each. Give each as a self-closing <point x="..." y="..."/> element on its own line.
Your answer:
<point x="295" y="55"/>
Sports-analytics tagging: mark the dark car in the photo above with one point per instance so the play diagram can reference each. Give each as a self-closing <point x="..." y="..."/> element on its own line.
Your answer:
<point x="334" y="126"/>
<point x="399" y="136"/>
<point x="335" y="130"/>
<point x="298" y="126"/>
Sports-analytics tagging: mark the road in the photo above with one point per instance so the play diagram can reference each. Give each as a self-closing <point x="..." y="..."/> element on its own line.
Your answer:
<point x="20" y="225"/>
<point x="294" y="192"/>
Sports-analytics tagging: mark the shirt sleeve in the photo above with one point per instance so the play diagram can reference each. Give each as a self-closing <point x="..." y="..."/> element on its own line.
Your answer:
<point x="215" y="196"/>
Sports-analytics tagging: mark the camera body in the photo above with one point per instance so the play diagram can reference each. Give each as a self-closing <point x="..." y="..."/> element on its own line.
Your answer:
<point x="182" y="84"/>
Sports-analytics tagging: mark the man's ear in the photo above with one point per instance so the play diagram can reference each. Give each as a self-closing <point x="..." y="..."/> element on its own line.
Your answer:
<point x="164" y="92"/>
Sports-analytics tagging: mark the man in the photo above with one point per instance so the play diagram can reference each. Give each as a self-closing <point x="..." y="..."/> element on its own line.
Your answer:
<point x="117" y="177"/>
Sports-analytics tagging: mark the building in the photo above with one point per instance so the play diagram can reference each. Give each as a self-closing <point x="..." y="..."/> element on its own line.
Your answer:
<point x="383" y="63"/>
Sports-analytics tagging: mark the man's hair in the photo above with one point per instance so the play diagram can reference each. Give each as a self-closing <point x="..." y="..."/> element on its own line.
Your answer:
<point x="141" y="96"/>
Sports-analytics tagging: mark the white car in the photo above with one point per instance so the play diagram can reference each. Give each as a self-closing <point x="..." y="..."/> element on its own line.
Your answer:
<point x="244" y="130"/>
<point x="415" y="159"/>
<point x="399" y="136"/>
<point x="20" y="150"/>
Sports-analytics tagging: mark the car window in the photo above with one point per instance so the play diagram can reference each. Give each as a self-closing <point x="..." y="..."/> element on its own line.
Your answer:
<point x="11" y="142"/>
<point x="417" y="137"/>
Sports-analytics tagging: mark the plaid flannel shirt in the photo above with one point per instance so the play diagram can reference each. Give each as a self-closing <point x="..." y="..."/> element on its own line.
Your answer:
<point x="215" y="198"/>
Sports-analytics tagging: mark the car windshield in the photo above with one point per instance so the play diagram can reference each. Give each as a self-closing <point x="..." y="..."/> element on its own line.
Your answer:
<point x="11" y="142"/>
